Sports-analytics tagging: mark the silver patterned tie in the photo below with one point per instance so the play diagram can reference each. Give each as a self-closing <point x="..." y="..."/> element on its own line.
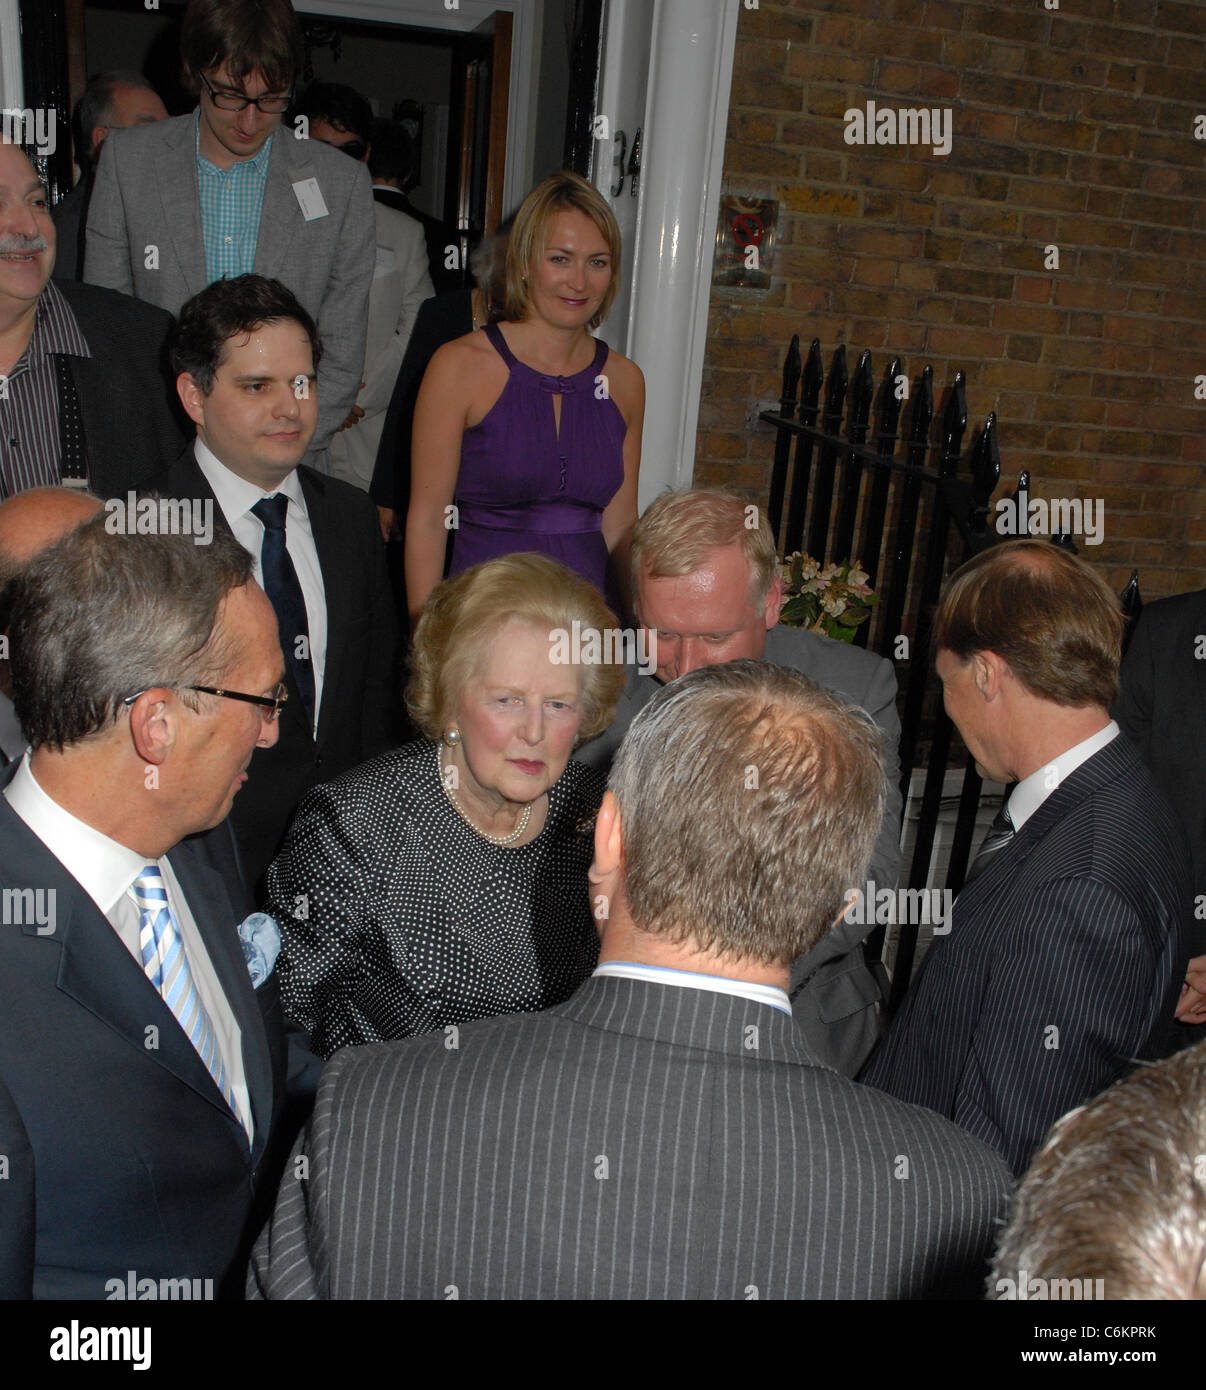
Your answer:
<point x="1000" y="832"/>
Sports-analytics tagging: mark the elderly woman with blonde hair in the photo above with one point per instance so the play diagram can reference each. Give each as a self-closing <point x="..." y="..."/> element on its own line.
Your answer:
<point x="446" y="880"/>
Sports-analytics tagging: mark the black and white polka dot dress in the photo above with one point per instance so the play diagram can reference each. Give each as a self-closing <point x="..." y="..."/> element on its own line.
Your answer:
<point x="397" y="918"/>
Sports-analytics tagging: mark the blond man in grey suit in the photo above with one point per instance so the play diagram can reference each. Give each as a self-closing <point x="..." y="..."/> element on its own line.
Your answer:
<point x="227" y="191"/>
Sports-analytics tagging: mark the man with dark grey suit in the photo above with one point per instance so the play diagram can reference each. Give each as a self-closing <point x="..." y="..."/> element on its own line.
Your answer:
<point x="707" y="588"/>
<point x="1066" y="952"/>
<point x="666" y="1132"/>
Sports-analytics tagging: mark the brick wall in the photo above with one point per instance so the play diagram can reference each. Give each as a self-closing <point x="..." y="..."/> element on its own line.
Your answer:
<point x="1071" y="127"/>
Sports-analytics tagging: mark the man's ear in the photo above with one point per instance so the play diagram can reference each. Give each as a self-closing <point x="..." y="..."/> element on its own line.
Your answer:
<point x="609" y="842"/>
<point x="154" y="725"/>
<point x="191" y="398"/>
<point x="774" y="601"/>
<point x="988" y="671"/>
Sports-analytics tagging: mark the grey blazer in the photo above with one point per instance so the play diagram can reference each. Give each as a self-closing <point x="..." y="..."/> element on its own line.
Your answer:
<point x="638" y="1141"/>
<point x="146" y="195"/>
<point x="833" y="993"/>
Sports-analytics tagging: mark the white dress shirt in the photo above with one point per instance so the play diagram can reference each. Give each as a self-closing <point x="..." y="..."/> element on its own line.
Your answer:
<point x="1032" y="791"/>
<point x="236" y="496"/>
<point x="692" y="979"/>
<point x="106" y="871"/>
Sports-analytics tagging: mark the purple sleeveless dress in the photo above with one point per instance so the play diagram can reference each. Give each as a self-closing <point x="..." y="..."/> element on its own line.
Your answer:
<point x="520" y="487"/>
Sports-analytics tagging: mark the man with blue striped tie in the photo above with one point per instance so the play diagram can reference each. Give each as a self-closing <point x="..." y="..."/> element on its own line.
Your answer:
<point x="143" y="1062"/>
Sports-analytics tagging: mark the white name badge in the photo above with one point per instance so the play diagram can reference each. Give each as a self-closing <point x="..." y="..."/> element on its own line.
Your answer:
<point x="309" y="199"/>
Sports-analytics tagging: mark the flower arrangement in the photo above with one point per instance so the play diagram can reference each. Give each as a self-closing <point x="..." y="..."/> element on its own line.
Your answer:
<point x="834" y="601"/>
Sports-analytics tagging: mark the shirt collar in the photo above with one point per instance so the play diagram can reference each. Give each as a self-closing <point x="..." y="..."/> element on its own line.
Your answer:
<point x="258" y="162"/>
<point x="56" y="328"/>
<point x="1032" y="791"/>
<point x="236" y="496"/>
<point x="103" y="868"/>
<point x="690" y="979"/>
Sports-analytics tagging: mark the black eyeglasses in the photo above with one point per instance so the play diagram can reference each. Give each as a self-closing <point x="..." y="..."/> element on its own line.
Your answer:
<point x="272" y="702"/>
<point x="236" y="101"/>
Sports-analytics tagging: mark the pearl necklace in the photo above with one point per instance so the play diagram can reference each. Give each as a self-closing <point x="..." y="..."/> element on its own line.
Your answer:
<point x="525" y="815"/>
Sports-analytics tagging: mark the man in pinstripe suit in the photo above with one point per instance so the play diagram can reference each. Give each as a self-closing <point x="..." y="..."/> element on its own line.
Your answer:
<point x="665" y="1133"/>
<point x="1066" y="953"/>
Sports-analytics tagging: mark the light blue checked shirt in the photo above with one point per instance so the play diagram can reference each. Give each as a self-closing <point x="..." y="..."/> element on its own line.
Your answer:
<point x="231" y="200"/>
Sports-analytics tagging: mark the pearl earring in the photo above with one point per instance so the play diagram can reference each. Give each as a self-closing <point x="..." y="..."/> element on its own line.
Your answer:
<point x="452" y="736"/>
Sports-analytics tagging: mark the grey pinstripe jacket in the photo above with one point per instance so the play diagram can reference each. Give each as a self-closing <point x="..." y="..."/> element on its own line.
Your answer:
<point x="638" y="1141"/>
<point x="1062" y="968"/>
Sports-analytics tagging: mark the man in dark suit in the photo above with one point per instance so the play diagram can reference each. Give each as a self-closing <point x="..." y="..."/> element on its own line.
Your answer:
<point x="84" y="394"/>
<point x="113" y="100"/>
<point x="1066" y="952"/>
<point x="247" y="353"/>
<point x="226" y="191"/>
<point x="142" y="1050"/>
<point x="665" y="1133"/>
<point x="1161" y="707"/>
<point x="707" y="589"/>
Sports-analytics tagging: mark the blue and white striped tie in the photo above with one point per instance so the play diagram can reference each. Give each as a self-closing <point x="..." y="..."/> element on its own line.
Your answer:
<point x="166" y="967"/>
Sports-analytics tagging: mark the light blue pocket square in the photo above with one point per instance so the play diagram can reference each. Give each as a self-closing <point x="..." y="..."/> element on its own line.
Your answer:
<point x="261" y="939"/>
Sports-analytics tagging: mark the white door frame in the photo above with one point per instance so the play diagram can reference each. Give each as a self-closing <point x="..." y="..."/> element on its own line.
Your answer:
<point x="12" y="83"/>
<point x="466" y="15"/>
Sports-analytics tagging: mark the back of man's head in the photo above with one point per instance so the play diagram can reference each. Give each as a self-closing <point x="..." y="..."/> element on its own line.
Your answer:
<point x="239" y="305"/>
<point x="103" y="615"/>
<point x="1047" y="614"/>
<point x="391" y="154"/>
<point x="340" y="106"/>
<point x="673" y="536"/>
<point x="1118" y="1193"/>
<point x="749" y="801"/>
<point x="261" y="36"/>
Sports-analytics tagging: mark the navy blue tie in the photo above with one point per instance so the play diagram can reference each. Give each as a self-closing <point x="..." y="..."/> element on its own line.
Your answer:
<point x="282" y="587"/>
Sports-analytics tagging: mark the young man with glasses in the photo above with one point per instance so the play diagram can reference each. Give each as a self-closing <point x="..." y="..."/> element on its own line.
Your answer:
<point x="227" y="191"/>
<point x="247" y="354"/>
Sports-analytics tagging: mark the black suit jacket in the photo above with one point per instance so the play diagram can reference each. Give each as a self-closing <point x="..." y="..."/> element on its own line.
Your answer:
<point x="127" y="1156"/>
<point x="1162" y="709"/>
<point x="360" y="706"/>
<point x="439" y="321"/>
<point x="128" y="403"/>
<point x="439" y="236"/>
<point x="638" y="1141"/>
<point x="1062" y="967"/>
<point x="70" y="216"/>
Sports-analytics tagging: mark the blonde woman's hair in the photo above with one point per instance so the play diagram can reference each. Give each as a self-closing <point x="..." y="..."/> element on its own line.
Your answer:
<point x="563" y="192"/>
<point x="464" y="614"/>
<point x="678" y="529"/>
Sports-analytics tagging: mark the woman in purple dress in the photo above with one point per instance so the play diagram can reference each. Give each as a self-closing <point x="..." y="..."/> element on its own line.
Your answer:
<point x="527" y="433"/>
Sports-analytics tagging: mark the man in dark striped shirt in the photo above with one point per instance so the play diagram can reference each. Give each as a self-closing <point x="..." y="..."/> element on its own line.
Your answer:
<point x="83" y="397"/>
